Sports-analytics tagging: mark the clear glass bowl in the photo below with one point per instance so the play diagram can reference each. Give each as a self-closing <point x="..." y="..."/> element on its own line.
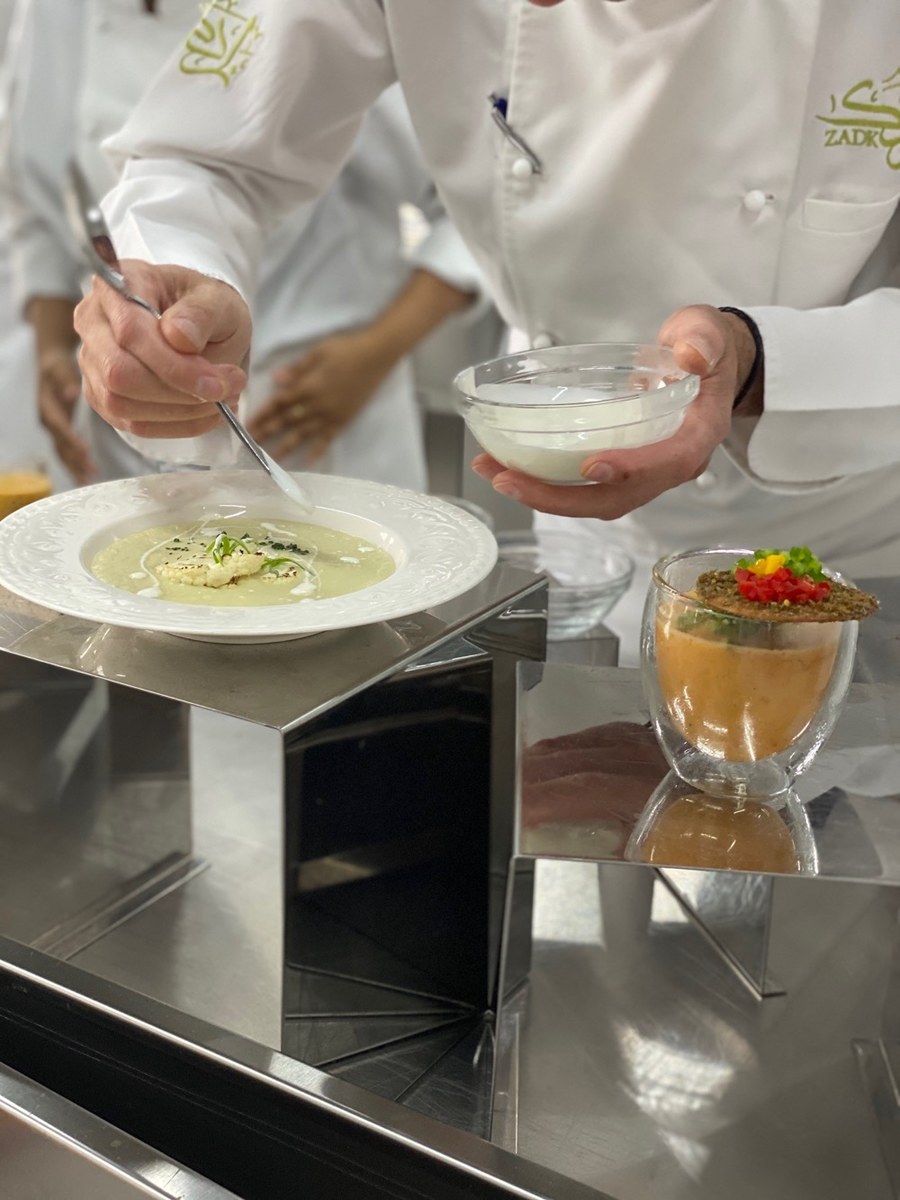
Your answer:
<point x="544" y="411"/>
<point x="740" y="706"/>
<point x="584" y="585"/>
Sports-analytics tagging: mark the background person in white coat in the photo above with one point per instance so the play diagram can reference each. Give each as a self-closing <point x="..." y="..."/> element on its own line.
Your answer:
<point x="338" y="307"/>
<point x="19" y="438"/>
<point x="637" y="172"/>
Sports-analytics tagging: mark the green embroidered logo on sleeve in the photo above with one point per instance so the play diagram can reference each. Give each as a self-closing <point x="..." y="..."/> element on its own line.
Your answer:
<point x="222" y="43"/>
<point x="862" y="117"/>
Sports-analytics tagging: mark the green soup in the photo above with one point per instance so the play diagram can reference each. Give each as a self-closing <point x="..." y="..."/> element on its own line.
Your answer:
<point x="251" y="564"/>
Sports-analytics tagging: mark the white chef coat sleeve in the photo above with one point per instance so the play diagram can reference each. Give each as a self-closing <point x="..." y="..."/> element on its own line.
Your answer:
<point x="444" y="253"/>
<point x="256" y="112"/>
<point x="832" y="399"/>
<point x="40" y="87"/>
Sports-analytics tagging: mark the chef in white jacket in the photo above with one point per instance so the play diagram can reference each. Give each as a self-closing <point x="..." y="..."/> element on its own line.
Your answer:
<point x="337" y="306"/>
<point x="635" y="159"/>
<point x="18" y="436"/>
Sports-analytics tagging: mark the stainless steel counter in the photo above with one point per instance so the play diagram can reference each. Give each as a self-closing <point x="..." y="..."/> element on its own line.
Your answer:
<point x="305" y="843"/>
<point x="684" y="1035"/>
<point x="51" y="1149"/>
<point x="692" y="1034"/>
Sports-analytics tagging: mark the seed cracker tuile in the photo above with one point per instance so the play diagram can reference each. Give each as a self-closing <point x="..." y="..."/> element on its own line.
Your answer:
<point x="718" y="590"/>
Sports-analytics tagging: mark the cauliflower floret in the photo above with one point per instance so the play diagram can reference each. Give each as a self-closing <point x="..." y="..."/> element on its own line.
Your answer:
<point x="201" y="570"/>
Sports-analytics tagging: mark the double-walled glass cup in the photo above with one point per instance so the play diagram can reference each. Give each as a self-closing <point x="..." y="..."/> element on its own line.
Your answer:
<point x="740" y="706"/>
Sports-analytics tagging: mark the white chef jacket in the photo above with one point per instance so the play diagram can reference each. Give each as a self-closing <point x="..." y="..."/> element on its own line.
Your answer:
<point x="329" y="266"/>
<point x="677" y="152"/>
<point x="20" y="439"/>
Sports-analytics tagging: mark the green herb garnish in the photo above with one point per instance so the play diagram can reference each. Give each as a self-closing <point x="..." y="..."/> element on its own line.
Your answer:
<point x="223" y="546"/>
<point x="799" y="559"/>
<point x="722" y="626"/>
<point x="271" y="563"/>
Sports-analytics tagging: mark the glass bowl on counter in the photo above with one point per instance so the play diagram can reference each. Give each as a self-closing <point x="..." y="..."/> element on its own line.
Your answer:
<point x="544" y="411"/>
<point x="585" y="582"/>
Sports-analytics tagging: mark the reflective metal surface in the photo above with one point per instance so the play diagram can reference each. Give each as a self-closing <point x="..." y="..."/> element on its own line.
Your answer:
<point x="664" y="1033"/>
<point x="594" y="785"/>
<point x="689" y="1034"/>
<point x="53" y="1150"/>
<point x="280" y="685"/>
<point x="350" y="1142"/>
<point x="352" y="798"/>
<point x="645" y="1066"/>
<point x="94" y="801"/>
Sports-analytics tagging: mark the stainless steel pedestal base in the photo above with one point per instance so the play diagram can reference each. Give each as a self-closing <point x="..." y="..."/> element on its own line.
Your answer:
<point x="638" y="1062"/>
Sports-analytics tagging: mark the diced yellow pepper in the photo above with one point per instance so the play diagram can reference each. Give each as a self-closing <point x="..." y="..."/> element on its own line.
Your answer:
<point x="768" y="565"/>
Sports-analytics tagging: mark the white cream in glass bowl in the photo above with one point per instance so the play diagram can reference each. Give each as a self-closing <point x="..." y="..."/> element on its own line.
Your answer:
<point x="544" y="411"/>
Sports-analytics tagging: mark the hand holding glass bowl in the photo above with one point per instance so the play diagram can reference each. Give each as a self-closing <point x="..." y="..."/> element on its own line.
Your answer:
<point x="740" y="705"/>
<point x="543" y="412"/>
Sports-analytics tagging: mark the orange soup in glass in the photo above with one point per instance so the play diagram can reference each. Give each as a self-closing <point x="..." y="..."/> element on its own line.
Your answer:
<point x="21" y="484"/>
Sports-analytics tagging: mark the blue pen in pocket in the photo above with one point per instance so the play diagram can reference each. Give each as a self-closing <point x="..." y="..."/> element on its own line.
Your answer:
<point x="499" y="108"/>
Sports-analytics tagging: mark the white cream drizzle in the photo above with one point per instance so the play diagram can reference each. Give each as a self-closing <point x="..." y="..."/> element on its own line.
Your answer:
<point x="156" y="590"/>
<point x="308" y="586"/>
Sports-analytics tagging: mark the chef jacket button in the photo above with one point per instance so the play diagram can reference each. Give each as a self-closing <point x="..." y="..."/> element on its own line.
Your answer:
<point x="541" y="341"/>
<point x="706" y="480"/>
<point x="755" y="201"/>
<point x="522" y="169"/>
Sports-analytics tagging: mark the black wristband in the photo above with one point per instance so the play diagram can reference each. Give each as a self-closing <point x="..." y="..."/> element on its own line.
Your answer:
<point x="757" y="357"/>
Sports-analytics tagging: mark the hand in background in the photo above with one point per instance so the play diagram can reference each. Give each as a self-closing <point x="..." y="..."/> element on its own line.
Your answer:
<point x="59" y="388"/>
<point x="59" y="380"/>
<point x="318" y="395"/>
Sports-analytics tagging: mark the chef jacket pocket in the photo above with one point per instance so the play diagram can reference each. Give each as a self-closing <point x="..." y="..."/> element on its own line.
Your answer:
<point x="847" y="216"/>
<point x="825" y="251"/>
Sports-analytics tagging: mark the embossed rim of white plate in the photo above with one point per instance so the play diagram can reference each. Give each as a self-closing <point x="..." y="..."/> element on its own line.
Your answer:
<point x="447" y="552"/>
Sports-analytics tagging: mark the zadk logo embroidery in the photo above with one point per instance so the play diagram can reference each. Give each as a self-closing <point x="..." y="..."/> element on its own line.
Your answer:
<point x="223" y="42"/>
<point x="867" y="115"/>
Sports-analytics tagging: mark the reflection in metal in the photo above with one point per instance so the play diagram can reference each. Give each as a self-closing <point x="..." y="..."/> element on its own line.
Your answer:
<point x="681" y="825"/>
<point x="734" y="911"/>
<point x="53" y="1150"/>
<point x="882" y="1090"/>
<point x="594" y="786"/>
<point x="245" y="1116"/>
<point x="647" y="1067"/>
<point x="708" y="1040"/>
<point x="356" y="816"/>
<point x="95" y="804"/>
<point x="634" y="1058"/>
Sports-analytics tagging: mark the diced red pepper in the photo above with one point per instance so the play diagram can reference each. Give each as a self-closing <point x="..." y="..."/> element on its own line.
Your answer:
<point x="782" y="585"/>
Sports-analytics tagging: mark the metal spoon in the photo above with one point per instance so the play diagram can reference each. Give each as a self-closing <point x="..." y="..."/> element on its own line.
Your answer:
<point x="92" y="233"/>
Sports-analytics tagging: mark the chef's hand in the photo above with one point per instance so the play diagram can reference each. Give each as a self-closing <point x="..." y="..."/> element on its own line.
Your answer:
<point x="716" y="346"/>
<point x="160" y="378"/>
<point x="59" y="388"/>
<point x="319" y="394"/>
